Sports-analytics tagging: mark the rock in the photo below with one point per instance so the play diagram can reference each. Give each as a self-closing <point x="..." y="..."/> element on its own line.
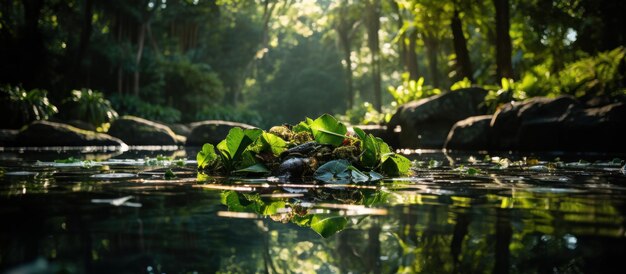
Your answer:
<point x="75" y="123"/>
<point x="180" y="129"/>
<point x="427" y="122"/>
<point x="45" y="133"/>
<point x="138" y="131"/>
<point x="8" y="137"/>
<point x="389" y="136"/>
<point x="511" y="117"/>
<point x="591" y="129"/>
<point x="472" y="133"/>
<point x="211" y="131"/>
<point x="562" y="124"/>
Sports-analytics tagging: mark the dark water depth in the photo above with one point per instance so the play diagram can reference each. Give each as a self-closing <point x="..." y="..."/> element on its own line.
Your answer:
<point x="456" y="214"/>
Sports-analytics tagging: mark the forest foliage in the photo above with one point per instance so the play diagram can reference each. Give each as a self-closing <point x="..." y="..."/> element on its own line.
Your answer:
<point x="267" y="61"/>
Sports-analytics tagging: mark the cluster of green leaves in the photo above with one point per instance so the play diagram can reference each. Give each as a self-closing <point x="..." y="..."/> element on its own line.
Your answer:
<point x="237" y="153"/>
<point x="88" y="106"/>
<point x="19" y="106"/>
<point x="509" y="91"/>
<point x="412" y="90"/>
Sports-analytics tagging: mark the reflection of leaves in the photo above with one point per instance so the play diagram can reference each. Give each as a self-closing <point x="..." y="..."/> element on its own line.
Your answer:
<point x="395" y="165"/>
<point x="256" y="168"/>
<point x="328" y="225"/>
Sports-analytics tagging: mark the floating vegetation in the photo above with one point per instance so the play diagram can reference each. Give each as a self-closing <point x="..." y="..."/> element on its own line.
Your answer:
<point x="322" y="148"/>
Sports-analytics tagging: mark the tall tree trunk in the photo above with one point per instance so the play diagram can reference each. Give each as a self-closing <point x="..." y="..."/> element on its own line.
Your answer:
<point x="83" y="44"/>
<point x="348" y="58"/>
<point x="432" y="46"/>
<point x="503" y="40"/>
<point x="373" y="25"/>
<point x="412" y="56"/>
<point x="140" y="41"/>
<point x="463" y="63"/>
<point x="32" y="44"/>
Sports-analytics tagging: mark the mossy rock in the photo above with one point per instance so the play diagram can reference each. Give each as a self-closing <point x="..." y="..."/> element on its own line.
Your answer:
<point x="141" y="132"/>
<point x="45" y="133"/>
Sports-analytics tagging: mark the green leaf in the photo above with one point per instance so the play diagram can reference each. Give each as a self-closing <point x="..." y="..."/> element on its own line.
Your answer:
<point x="326" y="225"/>
<point x="335" y="171"/>
<point x="357" y="176"/>
<point x="359" y="132"/>
<point x="256" y="168"/>
<point x="237" y="141"/>
<point x="370" y="151"/>
<point x="395" y="165"/>
<point x="206" y="156"/>
<point x="271" y="142"/>
<point x="328" y="131"/>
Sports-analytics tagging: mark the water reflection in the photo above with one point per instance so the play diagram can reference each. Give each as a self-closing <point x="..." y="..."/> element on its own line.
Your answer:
<point x="445" y="219"/>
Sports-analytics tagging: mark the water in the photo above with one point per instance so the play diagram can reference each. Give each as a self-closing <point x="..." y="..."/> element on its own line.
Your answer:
<point x="522" y="215"/>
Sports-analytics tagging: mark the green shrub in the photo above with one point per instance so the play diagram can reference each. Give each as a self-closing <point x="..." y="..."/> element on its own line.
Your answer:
<point x="507" y="92"/>
<point x="366" y="114"/>
<point x="411" y="90"/>
<point x="133" y="105"/>
<point x="88" y="106"/>
<point x="19" y="107"/>
<point x="594" y="76"/>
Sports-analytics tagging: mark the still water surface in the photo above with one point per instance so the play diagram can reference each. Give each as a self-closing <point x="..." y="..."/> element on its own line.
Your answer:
<point x="120" y="215"/>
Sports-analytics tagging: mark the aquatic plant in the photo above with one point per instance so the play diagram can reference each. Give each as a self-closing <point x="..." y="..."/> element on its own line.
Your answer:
<point x="322" y="148"/>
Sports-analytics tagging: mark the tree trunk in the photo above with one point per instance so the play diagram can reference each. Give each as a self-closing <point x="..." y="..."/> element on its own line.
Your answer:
<point x="463" y="63"/>
<point x="348" y="59"/>
<point x="504" y="67"/>
<point x="85" y="36"/>
<point x="412" y="56"/>
<point x="431" y="51"/>
<point x="140" y="41"/>
<point x="373" y="25"/>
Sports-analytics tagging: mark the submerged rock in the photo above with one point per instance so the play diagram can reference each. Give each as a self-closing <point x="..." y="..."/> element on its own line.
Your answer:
<point x="138" y="131"/>
<point x="471" y="133"/>
<point x="45" y="133"/>
<point x="211" y="131"/>
<point x="427" y="122"/>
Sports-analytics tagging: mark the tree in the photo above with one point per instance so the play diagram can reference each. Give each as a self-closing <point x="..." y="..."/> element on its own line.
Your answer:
<point x="345" y="24"/>
<point x="504" y="65"/>
<point x="372" y="20"/>
<point x="463" y="63"/>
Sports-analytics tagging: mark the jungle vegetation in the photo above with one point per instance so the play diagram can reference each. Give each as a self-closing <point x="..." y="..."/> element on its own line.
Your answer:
<point x="267" y="62"/>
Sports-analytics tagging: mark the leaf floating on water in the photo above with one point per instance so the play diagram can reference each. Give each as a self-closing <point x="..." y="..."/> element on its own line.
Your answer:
<point x="114" y="175"/>
<point x="124" y="201"/>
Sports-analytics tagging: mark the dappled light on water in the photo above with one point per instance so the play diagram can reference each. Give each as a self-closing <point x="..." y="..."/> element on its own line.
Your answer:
<point x="136" y="211"/>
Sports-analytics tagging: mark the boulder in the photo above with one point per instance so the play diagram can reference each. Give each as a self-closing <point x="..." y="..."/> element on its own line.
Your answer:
<point x="8" y="137"/>
<point x="427" y="122"/>
<point x="472" y="133"/>
<point x="138" y="131"/>
<point x="180" y="129"/>
<point x="45" y="133"/>
<point x="582" y="130"/>
<point x="75" y="123"/>
<point x="511" y="117"/>
<point x="211" y="131"/>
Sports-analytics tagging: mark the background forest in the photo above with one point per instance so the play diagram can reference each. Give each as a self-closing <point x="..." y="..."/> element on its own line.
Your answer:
<point x="267" y="62"/>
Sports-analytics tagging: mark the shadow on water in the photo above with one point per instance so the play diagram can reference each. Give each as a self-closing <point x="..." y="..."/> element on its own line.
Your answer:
<point x="457" y="214"/>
